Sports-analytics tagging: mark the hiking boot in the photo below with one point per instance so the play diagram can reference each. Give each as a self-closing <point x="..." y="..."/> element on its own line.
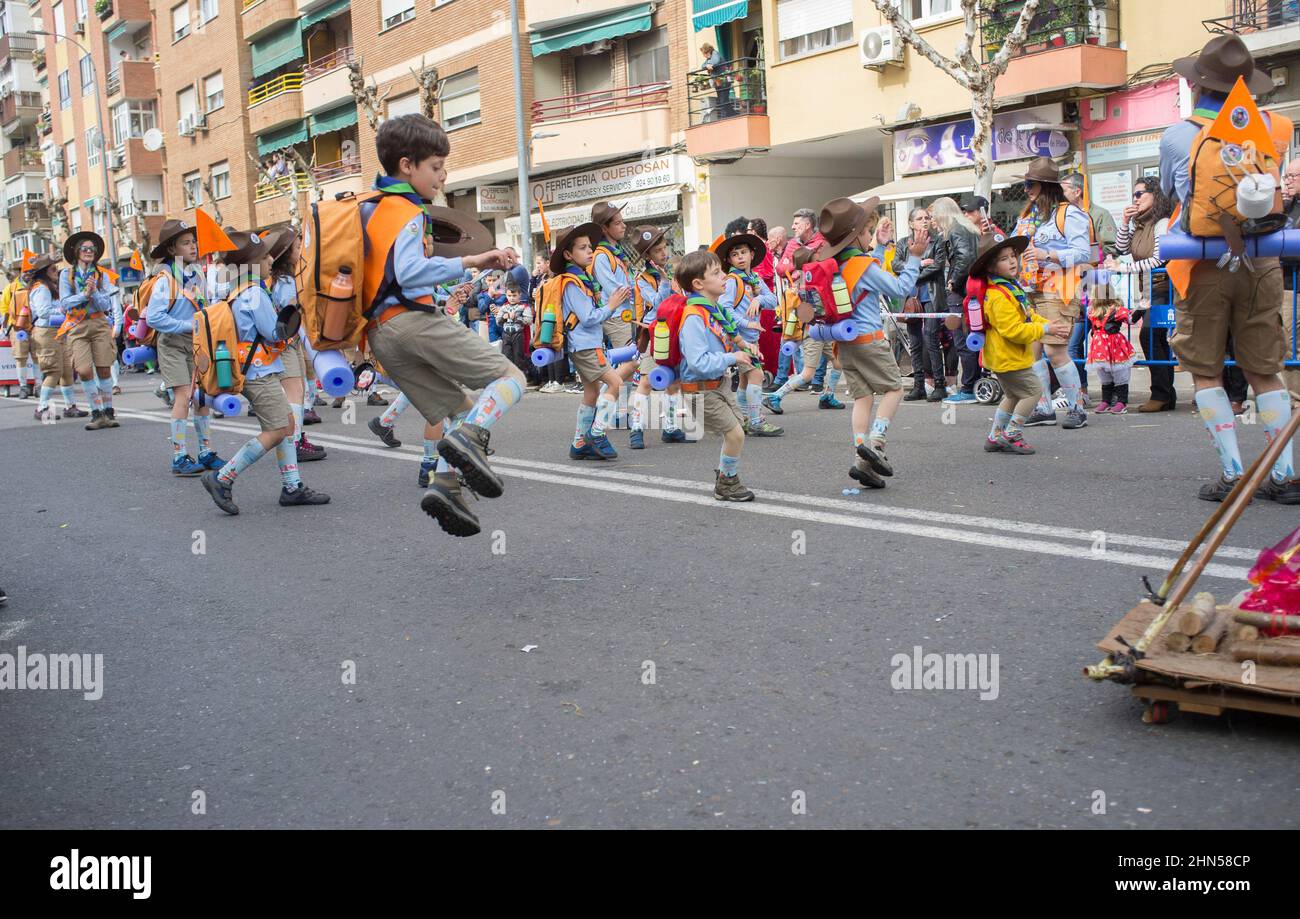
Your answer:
<point x="187" y="466"/>
<point x="427" y="468"/>
<point x="828" y="400"/>
<point x="1155" y="405"/>
<point x="603" y="448"/>
<point x="111" y="415"/>
<point x="873" y="454"/>
<point x="376" y="399"/>
<point x="1287" y="492"/>
<point x="117" y="390"/>
<point x="583" y="450"/>
<point x="917" y="394"/>
<point x="1040" y="418"/>
<point x="728" y="488"/>
<point x="466" y="448"/>
<point x="301" y="496"/>
<point x="1217" y="491"/>
<point x="221" y="493"/>
<point x="383" y="432"/>
<point x="764" y="428"/>
<point x="864" y="474"/>
<point x="73" y="412"/>
<point x="1074" y="419"/>
<point x="162" y="392"/>
<point x="1013" y="443"/>
<point x="636" y="440"/>
<point x="25" y="392"/>
<point x="308" y="452"/>
<point x="444" y="504"/>
<point x="337" y="403"/>
<point x="98" y="421"/>
<point x="773" y="404"/>
<point x="309" y="416"/>
<point x="675" y="436"/>
<point x="210" y="460"/>
<point x="938" y="394"/>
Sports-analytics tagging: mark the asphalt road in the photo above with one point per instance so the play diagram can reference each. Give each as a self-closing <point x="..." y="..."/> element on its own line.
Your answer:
<point x="773" y="672"/>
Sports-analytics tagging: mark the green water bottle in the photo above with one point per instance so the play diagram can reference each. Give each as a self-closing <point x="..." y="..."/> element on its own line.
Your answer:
<point x="224" y="362"/>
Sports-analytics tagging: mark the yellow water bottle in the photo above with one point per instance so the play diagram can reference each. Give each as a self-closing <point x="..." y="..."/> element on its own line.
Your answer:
<point x="841" y="292"/>
<point x="663" y="343"/>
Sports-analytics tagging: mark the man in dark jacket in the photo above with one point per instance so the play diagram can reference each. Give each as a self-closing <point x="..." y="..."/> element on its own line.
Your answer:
<point x="924" y="346"/>
<point x="961" y="245"/>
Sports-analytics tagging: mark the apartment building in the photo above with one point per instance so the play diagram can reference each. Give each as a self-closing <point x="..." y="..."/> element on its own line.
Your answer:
<point x="22" y="171"/>
<point x="99" y="68"/>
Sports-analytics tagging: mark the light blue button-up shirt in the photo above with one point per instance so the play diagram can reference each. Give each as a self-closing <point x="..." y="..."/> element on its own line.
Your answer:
<point x="652" y="296"/>
<point x="167" y="310"/>
<point x="255" y="315"/>
<point x="43" y="305"/>
<point x="704" y="354"/>
<point x="1074" y="246"/>
<point x="101" y="301"/>
<point x="876" y="282"/>
<point x="417" y="275"/>
<point x="609" y="274"/>
<point x="587" y="334"/>
<point x="736" y="299"/>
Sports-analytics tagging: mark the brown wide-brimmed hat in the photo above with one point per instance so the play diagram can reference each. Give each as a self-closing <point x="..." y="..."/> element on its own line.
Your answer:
<point x="646" y="238"/>
<point x="590" y="230"/>
<point x="722" y="248"/>
<point x="841" y="222"/>
<point x="171" y="229"/>
<point x="249" y="247"/>
<point x="602" y="212"/>
<point x="280" y="239"/>
<point x="1223" y="59"/>
<point x="1042" y="170"/>
<point x="39" y="264"/>
<point x="456" y="235"/>
<point x="74" y="242"/>
<point x="990" y="245"/>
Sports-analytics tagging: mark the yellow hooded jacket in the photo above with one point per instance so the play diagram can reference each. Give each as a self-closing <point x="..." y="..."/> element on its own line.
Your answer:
<point x="1009" y="332"/>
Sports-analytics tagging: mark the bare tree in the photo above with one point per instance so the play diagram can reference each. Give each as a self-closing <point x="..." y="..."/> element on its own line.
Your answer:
<point x="426" y="79"/>
<point x="368" y="98"/>
<point x="286" y="184"/>
<point x="306" y="170"/>
<point x="206" y="185"/>
<point x="142" y="230"/>
<point x="60" y="222"/>
<point x="968" y="72"/>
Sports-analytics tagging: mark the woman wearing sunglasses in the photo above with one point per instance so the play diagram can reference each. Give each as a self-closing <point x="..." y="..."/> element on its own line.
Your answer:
<point x="86" y="296"/>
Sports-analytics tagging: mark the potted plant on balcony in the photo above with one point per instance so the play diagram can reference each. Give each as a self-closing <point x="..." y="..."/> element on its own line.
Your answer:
<point x="1096" y="14"/>
<point x="104" y="8"/>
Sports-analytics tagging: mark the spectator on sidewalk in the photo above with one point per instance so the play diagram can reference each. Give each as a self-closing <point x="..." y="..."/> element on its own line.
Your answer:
<point x="806" y="236"/>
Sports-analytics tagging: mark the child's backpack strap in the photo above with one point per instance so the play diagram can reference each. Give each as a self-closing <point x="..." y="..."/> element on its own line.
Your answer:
<point x="853" y="271"/>
<point x="383" y="218"/>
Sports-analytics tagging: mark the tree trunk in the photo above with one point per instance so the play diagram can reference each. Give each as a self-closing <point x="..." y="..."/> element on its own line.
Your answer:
<point x="982" y="141"/>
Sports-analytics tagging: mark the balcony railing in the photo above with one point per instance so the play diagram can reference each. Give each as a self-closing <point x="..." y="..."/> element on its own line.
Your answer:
<point x="731" y="90"/>
<point x="299" y="181"/>
<point x="329" y="172"/>
<point x="1256" y="16"/>
<point x="23" y="160"/>
<point x="285" y="83"/>
<point x="113" y="85"/>
<point x="1056" y="24"/>
<point x="324" y="65"/>
<point x="17" y="45"/>
<point x="601" y="102"/>
<point x="18" y="105"/>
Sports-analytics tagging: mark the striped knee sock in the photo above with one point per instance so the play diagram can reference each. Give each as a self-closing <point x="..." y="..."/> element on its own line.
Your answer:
<point x="754" y="396"/>
<point x="286" y="457"/>
<point x="606" y="406"/>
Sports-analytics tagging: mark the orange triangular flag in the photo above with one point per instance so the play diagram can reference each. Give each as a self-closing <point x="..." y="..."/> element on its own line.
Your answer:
<point x="713" y="246"/>
<point x="112" y="275"/>
<point x="546" y="224"/>
<point x="137" y="263"/>
<point x="28" y="256"/>
<point x="1239" y="121"/>
<point x="211" y="237"/>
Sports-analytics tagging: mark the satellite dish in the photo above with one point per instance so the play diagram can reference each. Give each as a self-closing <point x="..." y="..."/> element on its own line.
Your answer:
<point x="153" y="140"/>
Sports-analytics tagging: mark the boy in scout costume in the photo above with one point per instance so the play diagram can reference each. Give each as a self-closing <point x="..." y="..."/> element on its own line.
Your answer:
<point x="50" y="351"/>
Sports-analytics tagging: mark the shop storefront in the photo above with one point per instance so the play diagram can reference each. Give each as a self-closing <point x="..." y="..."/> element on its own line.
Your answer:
<point x="1121" y="140"/>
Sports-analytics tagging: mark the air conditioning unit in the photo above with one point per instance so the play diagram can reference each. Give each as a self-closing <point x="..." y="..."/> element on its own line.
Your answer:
<point x="80" y="28"/>
<point x="880" y="47"/>
<point x="116" y="160"/>
<point x="185" y="127"/>
<point x="199" y="120"/>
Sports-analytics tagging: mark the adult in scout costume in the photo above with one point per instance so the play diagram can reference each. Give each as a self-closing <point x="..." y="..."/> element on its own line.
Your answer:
<point x="86" y="294"/>
<point x="1215" y="163"/>
<point x="614" y="267"/>
<point x="16" y="316"/>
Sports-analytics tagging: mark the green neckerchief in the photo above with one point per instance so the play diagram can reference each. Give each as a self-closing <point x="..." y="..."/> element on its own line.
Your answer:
<point x="590" y="282"/>
<point x="616" y="250"/>
<point x="851" y="252"/>
<point x="716" y="313"/>
<point x="655" y="274"/>
<point x="1012" y="289"/>
<point x="749" y="277"/>
<point x="177" y="270"/>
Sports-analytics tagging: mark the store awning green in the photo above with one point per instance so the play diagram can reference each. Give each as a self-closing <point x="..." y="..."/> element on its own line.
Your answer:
<point x="325" y="12"/>
<point x="592" y="29"/>
<point x="708" y="13"/>
<point x="275" y="49"/>
<point x="335" y="119"/>
<point x="271" y="141"/>
<point x="117" y="31"/>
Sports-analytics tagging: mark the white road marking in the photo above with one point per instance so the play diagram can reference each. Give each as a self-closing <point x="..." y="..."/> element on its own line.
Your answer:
<point x="638" y="485"/>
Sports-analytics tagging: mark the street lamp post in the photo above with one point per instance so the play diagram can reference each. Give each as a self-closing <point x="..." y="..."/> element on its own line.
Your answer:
<point x="523" y="146"/>
<point x="103" y="144"/>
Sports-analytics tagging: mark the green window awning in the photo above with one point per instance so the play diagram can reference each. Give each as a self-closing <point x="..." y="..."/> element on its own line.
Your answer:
<point x="287" y="136"/>
<point x="117" y="31"/>
<point x="273" y="50"/>
<point x="708" y="13"/>
<point x="324" y="13"/>
<point x="595" y="28"/>
<point x="335" y="119"/>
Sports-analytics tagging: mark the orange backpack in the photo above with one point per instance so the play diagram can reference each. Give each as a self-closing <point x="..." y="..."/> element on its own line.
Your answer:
<point x="20" y="314"/>
<point x="215" y="331"/>
<point x="1212" y="193"/>
<point x="550" y="312"/>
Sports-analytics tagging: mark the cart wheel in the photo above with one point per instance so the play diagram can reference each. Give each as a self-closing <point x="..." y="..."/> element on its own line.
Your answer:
<point x="988" y="390"/>
<point x="1157" y="712"/>
<point x="767" y="378"/>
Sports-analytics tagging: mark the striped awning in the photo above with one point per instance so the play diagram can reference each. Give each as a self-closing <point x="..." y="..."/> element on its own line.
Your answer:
<point x="638" y="18"/>
<point x="271" y="141"/>
<point x="278" y="48"/>
<point x="335" y="119"/>
<point x="708" y="13"/>
<point x="325" y="12"/>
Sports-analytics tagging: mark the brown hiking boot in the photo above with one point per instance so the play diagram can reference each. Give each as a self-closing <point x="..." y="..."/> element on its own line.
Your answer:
<point x="111" y="417"/>
<point x="728" y="488"/>
<point x="98" y="421"/>
<point x="466" y="448"/>
<point x="445" y="504"/>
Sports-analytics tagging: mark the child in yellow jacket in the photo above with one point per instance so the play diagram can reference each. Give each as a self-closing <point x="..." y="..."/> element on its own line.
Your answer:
<point x="1010" y="328"/>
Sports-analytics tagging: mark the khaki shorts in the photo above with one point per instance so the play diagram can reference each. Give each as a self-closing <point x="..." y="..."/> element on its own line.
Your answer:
<point x="1018" y="385"/>
<point x="647" y="364"/>
<point x="90" y="343"/>
<point x="870" y="368"/>
<point x="22" y="349"/>
<point x="267" y="398"/>
<point x="176" y="358"/>
<point x="813" y="351"/>
<point x="718" y="408"/>
<point x="1051" y="308"/>
<point x="430" y="356"/>
<point x="52" y="355"/>
<point x="294" y="360"/>
<point x="617" y="331"/>
<point x="590" y="364"/>
<point x="1241" y="303"/>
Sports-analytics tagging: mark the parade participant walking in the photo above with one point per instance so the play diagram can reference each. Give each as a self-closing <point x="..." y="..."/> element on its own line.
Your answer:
<point x="52" y="355"/>
<point x="86" y="298"/>
<point x="611" y="267"/>
<point x="868" y="361"/>
<point x="286" y="254"/>
<point x="653" y="286"/>
<point x="1214" y="302"/>
<point x="743" y="296"/>
<point x="1052" y="267"/>
<point x="16" y="316"/>
<point x="171" y="297"/>
<point x="1144" y="221"/>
